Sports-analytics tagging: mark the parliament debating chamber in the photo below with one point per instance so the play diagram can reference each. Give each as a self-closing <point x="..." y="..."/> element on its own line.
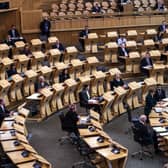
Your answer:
<point x="83" y="84"/>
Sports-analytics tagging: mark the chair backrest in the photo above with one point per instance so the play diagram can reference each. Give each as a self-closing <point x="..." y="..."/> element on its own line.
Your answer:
<point x="62" y="119"/>
<point x="137" y="134"/>
<point x="80" y="99"/>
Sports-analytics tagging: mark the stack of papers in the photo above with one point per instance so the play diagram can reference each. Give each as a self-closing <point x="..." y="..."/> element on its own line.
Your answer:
<point x="158" y="109"/>
<point x="160" y="129"/>
<point x="163" y="133"/>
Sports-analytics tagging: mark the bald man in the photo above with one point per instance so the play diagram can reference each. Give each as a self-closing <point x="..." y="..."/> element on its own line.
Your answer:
<point x="41" y="83"/>
<point x="149" y="137"/>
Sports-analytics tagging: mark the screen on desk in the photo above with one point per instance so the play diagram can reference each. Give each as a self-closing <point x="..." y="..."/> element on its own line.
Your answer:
<point x="4" y="5"/>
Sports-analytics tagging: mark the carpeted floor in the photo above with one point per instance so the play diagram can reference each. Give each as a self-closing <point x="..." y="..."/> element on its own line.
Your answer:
<point x="45" y="137"/>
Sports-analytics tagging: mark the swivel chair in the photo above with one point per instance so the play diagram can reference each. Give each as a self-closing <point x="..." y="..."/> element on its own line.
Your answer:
<point x="70" y="137"/>
<point x="138" y="137"/>
<point x="82" y="104"/>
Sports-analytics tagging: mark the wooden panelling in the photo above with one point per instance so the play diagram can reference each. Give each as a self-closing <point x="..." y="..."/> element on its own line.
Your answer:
<point x="8" y="17"/>
<point x="30" y="20"/>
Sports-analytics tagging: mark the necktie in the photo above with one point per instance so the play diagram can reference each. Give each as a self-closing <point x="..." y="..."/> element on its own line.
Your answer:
<point x="88" y="94"/>
<point x="3" y="109"/>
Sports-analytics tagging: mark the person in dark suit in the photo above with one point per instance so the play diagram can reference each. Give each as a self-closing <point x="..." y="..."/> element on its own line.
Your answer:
<point x="60" y="47"/>
<point x="148" y="137"/>
<point x="117" y="81"/>
<point x="161" y="30"/>
<point x="160" y="6"/>
<point x="45" y="26"/>
<point x="120" y="5"/>
<point x="159" y="93"/>
<point x="96" y="8"/>
<point x="87" y="101"/>
<point x="41" y="83"/>
<point x="12" y="70"/>
<point x="4" y="112"/>
<point x="123" y="51"/>
<point x="82" y="36"/>
<point x="64" y="75"/>
<point x="146" y="61"/>
<point x="150" y="102"/>
<point x="13" y="35"/>
<point x="70" y="120"/>
<point x="27" y="51"/>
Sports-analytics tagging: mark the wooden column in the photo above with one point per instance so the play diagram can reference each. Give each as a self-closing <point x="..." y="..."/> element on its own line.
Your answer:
<point x="57" y="99"/>
<point x="29" y="82"/>
<point x="4" y="90"/>
<point x="4" y="66"/>
<point x="15" y="89"/>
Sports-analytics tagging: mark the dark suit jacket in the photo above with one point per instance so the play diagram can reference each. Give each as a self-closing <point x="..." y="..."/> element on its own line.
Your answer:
<point x="83" y="97"/>
<point x="63" y="77"/>
<point x="38" y="86"/>
<point x="83" y="33"/>
<point x="145" y="63"/>
<point x="142" y="132"/>
<point x="61" y="47"/>
<point x="3" y="114"/>
<point x="159" y="95"/>
<point x="11" y="72"/>
<point x="43" y="29"/>
<point x="70" y="121"/>
<point x="116" y="83"/>
<point x="161" y="28"/>
<point x="121" y="52"/>
<point x="96" y="9"/>
<point x="16" y="33"/>
<point x="149" y="103"/>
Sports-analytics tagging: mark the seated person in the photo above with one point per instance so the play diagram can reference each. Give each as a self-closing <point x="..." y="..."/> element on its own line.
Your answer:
<point x="159" y="93"/>
<point x="160" y="6"/>
<point x="12" y="70"/>
<point x="14" y="35"/>
<point x="87" y="101"/>
<point x="70" y="120"/>
<point x="123" y="51"/>
<point x="117" y="81"/>
<point x="27" y="51"/>
<point x="82" y="36"/>
<point x="121" y="39"/>
<point x="96" y="8"/>
<point x="146" y="62"/>
<point x="46" y="61"/>
<point x="163" y="56"/>
<point x="161" y="30"/>
<point x="4" y="112"/>
<point x="41" y="83"/>
<point x="150" y="102"/>
<point x="148" y="138"/>
<point x="60" y="47"/>
<point x="64" y="75"/>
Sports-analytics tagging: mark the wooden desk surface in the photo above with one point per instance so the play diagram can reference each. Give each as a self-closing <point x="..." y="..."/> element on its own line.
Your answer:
<point x="6" y="135"/>
<point x="93" y="143"/>
<point x="7" y="125"/>
<point x="156" y="122"/>
<point x="8" y="146"/>
<point x="29" y="165"/>
<point x="85" y="132"/>
<point x="17" y="157"/>
<point x="106" y="152"/>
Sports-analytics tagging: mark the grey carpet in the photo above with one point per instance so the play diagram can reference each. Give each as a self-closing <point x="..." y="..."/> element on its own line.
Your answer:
<point x="45" y="137"/>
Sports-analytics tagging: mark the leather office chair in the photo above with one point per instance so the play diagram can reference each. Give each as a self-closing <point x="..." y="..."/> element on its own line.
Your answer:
<point x="82" y="104"/>
<point x="138" y="137"/>
<point x="70" y="137"/>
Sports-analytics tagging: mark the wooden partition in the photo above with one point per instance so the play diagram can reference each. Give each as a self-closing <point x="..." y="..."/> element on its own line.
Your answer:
<point x="7" y="18"/>
<point x="65" y="26"/>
